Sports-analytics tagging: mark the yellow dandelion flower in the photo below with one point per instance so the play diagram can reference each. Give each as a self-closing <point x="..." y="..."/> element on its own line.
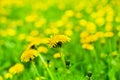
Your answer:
<point x="100" y="34"/>
<point x="40" y="23"/>
<point x="91" y="27"/>
<point x="31" y="17"/>
<point x="100" y="21"/>
<point x="8" y="76"/>
<point x="11" y="32"/>
<point x="117" y="19"/>
<point x="108" y="27"/>
<point x="83" y="22"/>
<point x="34" y="33"/>
<point x="42" y="49"/>
<point x="17" y="68"/>
<point x="1" y="77"/>
<point x="109" y="34"/>
<point x="68" y="32"/>
<point x="44" y="40"/>
<point x="58" y="40"/>
<point x="59" y="23"/>
<point x="78" y="15"/>
<point x="84" y="34"/>
<point x="3" y="33"/>
<point x="88" y="46"/>
<point x="28" y="55"/>
<point x="57" y="55"/>
<point x="48" y="31"/>
<point x="92" y="38"/>
<point x="21" y="36"/>
<point x="55" y="31"/>
<point x="35" y="42"/>
<point x="69" y="13"/>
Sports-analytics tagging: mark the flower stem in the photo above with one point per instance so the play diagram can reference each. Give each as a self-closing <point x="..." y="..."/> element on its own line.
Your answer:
<point x="48" y="70"/>
<point x="62" y="57"/>
<point x="35" y="68"/>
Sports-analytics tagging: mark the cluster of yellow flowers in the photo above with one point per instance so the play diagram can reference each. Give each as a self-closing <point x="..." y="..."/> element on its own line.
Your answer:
<point x="87" y="39"/>
<point x="32" y="51"/>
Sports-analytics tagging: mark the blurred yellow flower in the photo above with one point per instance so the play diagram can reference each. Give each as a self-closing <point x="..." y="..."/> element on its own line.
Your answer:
<point x="78" y="15"/>
<point x="11" y="32"/>
<point x="91" y="27"/>
<point x="21" y="36"/>
<point x="68" y="32"/>
<point x="28" y="55"/>
<point x="42" y="49"/>
<point x="83" y="22"/>
<point x="58" y="40"/>
<point x="34" y="33"/>
<point x="99" y="34"/>
<point x="69" y="13"/>
<point x="44" y="40"/>
<point x="108" y="27"/>
<point x="109" y="18"/>
<point x="3" y="33"/>
<point x="48" y="31"/>
<point x="88" y="46"/>
<point x="84" y="34"/>
<point x="17" y="68"/>
<point x="8" y="76"/>
<point x="92" y="38"/>
<point x="59" y="23"/>
<point x="31" y="18"/>
<point x="109" y="34"/>
<point x="57" y="55"/>
<point x="3" y="20"/>
<point x="55" y="30"/>
<point x="40" y="22"/>
<point x="117" y="19"/>
<point x="1" y="77"/>
<point x="100" y="21"/>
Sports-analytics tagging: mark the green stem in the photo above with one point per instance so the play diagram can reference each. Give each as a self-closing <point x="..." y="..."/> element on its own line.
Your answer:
<point x="62" y="57"/>
<point x="48" y="70"/>
<point x="110" y="49"/>
<point x="35" y="68"/>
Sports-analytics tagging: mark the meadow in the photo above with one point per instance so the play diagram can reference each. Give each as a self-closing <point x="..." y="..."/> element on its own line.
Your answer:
<point x="59" y="40"/>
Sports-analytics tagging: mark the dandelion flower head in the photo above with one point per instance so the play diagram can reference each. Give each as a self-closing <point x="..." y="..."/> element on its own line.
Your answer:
<point x="28" y="55"/>
<point x="58" y="40"/>
<point x="17" y="68"/>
